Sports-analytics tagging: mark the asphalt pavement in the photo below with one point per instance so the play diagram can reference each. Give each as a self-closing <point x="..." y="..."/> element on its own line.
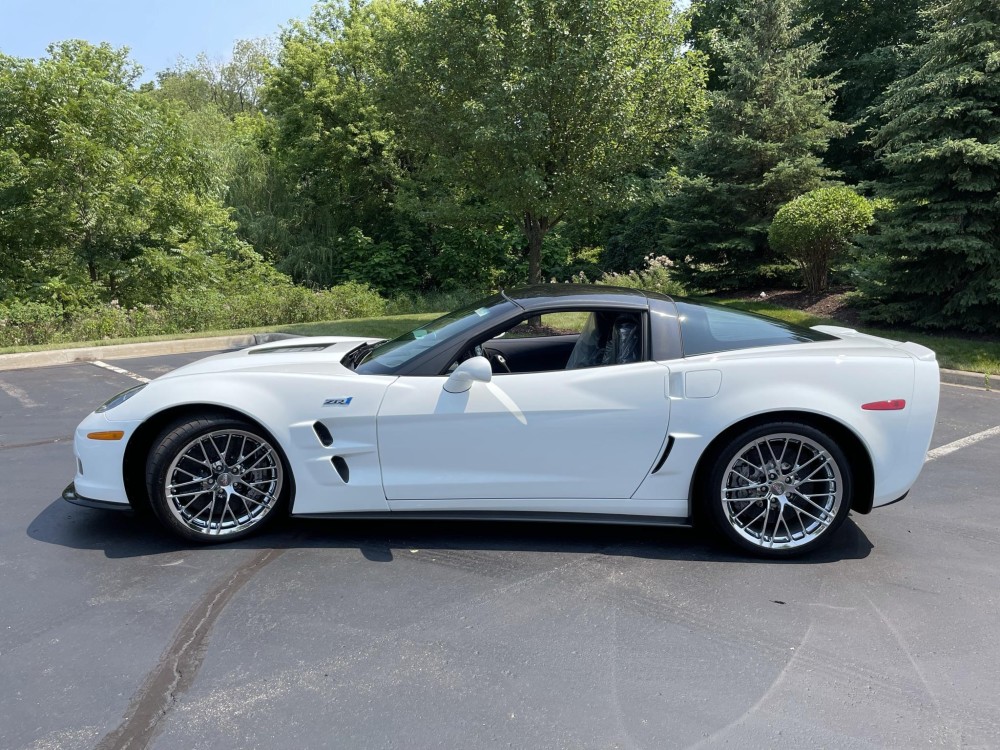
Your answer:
<point x="350" y="634"/>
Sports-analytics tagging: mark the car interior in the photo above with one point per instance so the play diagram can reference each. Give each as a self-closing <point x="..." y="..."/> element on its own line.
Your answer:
<point x="608" y="337"/>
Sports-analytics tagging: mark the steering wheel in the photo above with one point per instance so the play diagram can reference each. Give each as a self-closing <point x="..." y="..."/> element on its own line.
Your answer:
<point x="496" y="358"/>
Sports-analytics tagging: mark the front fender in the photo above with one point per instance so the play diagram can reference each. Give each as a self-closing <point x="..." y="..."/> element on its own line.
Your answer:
<point x="288" y="405"/>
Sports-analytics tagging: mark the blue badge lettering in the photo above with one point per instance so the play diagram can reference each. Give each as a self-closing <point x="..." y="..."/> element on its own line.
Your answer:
<point x="338" y="401"/>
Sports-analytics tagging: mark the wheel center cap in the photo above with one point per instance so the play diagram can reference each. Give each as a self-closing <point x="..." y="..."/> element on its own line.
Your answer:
<point x="777" y="488"/>
<point x="225" y="479"/>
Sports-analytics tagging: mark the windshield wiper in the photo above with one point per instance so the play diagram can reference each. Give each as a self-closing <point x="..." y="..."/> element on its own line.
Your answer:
<point x="358" y="354"/>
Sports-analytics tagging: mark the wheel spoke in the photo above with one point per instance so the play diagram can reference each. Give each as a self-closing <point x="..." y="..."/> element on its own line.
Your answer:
<point x="176" y="495"/>
<point x="751" y="464"/>
<point x="825" y="522"/>
<point x="816" y="505"/>
<point x="193" y="500"/>
<point x="172" y="487"/>
<point x="255" y="502"/>
<point x="822" y="466"/>
<point x="256" y="463"/>
<point x="748" y="479"/>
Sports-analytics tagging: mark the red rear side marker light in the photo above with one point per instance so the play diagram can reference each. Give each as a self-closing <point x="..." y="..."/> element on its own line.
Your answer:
<point x="893" y="404"/>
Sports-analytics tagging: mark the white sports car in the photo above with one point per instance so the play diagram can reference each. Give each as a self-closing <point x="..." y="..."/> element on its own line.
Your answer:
<point x="581" y="403"/>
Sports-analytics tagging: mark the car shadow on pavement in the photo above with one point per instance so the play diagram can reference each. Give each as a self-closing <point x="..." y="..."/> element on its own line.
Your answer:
<point x="124" y="534"/>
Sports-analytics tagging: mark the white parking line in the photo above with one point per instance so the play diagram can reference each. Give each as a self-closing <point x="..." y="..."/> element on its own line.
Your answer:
<point x="120" y="371"/>
<point x="944" y="450"/>
<point x="14" y="392"/>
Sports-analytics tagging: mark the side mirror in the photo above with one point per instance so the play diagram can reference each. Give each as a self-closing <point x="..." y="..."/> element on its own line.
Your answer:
<point x="476" y="369"/>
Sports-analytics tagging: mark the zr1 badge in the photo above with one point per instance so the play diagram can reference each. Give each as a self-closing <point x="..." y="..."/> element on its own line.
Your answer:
<point x="338" y="401"/>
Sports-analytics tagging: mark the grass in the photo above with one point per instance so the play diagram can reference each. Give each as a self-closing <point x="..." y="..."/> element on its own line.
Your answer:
<point x="384" y="327"/>
<point x="953" y="353"/>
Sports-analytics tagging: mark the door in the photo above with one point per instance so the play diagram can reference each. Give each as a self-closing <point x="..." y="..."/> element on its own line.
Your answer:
<point x="583" y="433"/>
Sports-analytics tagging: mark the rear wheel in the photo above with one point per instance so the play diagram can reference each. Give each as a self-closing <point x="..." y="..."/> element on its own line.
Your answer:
<point x="779" y="490"/>
<point x="215" y="479"/>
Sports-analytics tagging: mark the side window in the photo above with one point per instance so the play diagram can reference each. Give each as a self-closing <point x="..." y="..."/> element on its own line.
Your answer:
<point x="706" y="329"/>
<point x="566" y="340"/>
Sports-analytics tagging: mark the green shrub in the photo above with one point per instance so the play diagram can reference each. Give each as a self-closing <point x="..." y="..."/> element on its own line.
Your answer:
<point x="26" y="323"/>
<point x="815" y="230"/>
<point x="657" y="276"/>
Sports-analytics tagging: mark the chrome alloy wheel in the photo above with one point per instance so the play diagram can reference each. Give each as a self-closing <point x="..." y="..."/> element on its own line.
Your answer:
<point x="781" y="491"/>
<point x="223" y="482"/>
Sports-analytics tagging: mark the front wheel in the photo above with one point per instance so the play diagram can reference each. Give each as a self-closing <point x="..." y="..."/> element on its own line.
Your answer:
<point x="779" y="490"/>
<point x="215" y="479"/>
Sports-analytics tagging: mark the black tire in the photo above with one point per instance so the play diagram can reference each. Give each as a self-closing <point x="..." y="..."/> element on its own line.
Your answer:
<point x="810" y="509"/>
<point x="179" y="453"/>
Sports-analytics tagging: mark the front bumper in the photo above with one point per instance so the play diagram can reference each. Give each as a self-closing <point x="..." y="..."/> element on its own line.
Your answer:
<point x="99" y="463"/>
<point x="69" y="495"/>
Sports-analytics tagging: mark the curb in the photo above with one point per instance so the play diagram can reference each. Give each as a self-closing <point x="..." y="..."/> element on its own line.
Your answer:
<point x="24" y="360"/>
<point x="969" y="379"/>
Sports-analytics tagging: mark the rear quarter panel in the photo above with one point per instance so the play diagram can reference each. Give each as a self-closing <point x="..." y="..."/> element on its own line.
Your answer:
<point x="828" y="379"/>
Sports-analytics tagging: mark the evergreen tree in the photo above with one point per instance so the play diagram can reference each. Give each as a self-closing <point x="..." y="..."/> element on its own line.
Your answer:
<point x="936" y="261"/>
<point x="768" y="125"/>
<point x="867" y="46"/>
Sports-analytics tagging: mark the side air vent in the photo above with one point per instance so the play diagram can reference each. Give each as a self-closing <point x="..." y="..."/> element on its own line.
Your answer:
<point x="341" y="466"/>
<point x="666" y="452"/>
<point x="323" y="433"/>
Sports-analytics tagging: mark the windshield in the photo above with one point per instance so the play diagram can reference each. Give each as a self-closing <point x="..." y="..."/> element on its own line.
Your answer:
<point x="390" y="357"/>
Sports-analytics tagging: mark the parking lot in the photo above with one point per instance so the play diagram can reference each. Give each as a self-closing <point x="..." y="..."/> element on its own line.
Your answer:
<point x="351" y="634"/>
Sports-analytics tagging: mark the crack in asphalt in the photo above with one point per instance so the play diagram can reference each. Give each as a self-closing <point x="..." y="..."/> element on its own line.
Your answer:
<point x="36" y="443"/>
<point x="177" y="668"/>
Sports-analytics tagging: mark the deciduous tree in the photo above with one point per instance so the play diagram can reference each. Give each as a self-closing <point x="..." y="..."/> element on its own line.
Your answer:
<point x="96" y="173"/>
<point x="527" y="113"/>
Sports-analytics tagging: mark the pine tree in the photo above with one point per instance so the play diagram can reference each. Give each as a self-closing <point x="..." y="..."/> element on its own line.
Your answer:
<point x="936" y="261"/>
<point x="768" y="125"/>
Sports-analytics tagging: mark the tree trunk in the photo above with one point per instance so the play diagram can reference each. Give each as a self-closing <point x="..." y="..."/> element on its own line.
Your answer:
<point x="535" y="229"/>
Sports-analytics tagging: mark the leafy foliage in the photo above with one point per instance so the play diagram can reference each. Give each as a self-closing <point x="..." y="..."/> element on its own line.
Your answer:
<point x="526" y="113"/>
<point x="657" y="275"/>
<point x="936" y="260"/>
<point x="815" y="230"/>
<point x="768" y="126"/>
<point x="27" y="323"/>
<point x="97" y="175"/>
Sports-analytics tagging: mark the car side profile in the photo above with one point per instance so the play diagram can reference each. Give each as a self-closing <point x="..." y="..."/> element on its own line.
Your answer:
<point x="554" y="402"/>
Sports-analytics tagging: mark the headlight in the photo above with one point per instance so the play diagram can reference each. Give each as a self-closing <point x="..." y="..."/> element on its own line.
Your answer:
<point x="120" y="399"/>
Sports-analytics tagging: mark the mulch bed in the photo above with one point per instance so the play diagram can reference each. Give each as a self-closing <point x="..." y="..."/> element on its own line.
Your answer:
<point x="829" y="304"/>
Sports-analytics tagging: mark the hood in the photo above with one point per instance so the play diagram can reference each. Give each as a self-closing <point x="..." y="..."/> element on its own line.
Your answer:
<point x="302" y="354"/>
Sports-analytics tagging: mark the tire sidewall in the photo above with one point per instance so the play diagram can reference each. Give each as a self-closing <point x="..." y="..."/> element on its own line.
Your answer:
<point x="711" y="506"/>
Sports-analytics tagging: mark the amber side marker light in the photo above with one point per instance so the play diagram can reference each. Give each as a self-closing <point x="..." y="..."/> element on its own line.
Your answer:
<point x="893" y="404"/>
<point x="106" y="435"/>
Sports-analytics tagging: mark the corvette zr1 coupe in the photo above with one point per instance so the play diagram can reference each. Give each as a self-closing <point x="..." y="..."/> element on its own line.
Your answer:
<point x="586" y="403"/>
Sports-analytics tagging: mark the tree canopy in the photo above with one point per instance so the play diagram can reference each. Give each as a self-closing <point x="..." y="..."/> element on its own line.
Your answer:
<point x="96" y="175"/>
<point x="530" y="112"/>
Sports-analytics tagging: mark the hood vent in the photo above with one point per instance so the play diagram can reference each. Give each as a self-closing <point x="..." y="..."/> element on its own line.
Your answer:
<point x="289" y="349"/>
